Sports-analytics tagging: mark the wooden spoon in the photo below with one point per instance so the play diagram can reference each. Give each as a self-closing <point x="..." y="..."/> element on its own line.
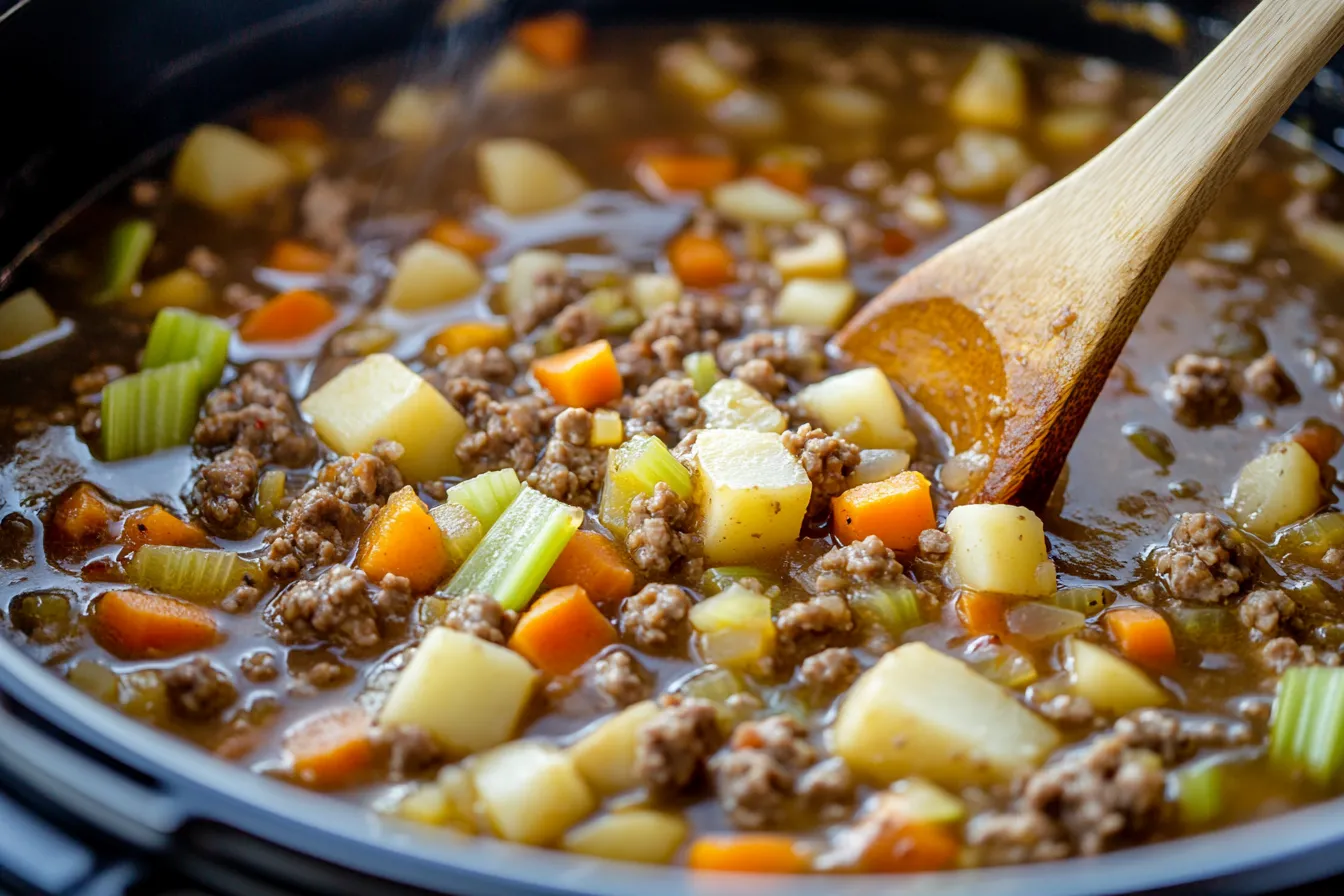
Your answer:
<point x="1007" y="336"/>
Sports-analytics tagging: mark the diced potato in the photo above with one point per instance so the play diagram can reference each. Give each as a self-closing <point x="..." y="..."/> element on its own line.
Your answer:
<point x="523" y="177"/>
<point x="860" y="405"/>
<point x="605" y="754"/>
<point x="448" y="801"/>
<point x="227" y="171"/>
<point x="608" y="429"/>
<point x="749" y="115"/>
<point x="526" y="270"/>
<point x="823" y="304"/>
<point x="921" y="800"/>
<point x="467" y="692"/>
<point x="876" y="464"/>
<point x="980" y="164"/>
<point x="823" y="255"/>
<point x="752" y="494"/>
<point x="1076" y="128"/>
<point x="920" y="712"/>
<point x="23" y="316"/>
<point x="649" y="292"/>
<point x="993" y="92"/>
<point x="413" y="115"/>
<point x="689" y="70"/>
<point x="429" y="274"/>
<point x="513" y="70"/>
<point x="1279" y="487"/>
<point x="734" y="626"/>
<point x="635" y="835"/>
<point x="928" y="213"/>
<point x="381" y="398"/>
<point x="1110" y="683"/>
<point x="845" y="105"/>
<point x="732" y="404"/>
<point x="531" y="791"/>
<point x="755" y="200"/>
<point x="999" y="548"/>
<point x="182" y="288"/>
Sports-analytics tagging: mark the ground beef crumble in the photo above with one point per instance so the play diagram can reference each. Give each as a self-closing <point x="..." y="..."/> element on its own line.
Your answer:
<point x="1202" y="390"/>
<point x="1280" y="653"/>
<point x="481" y="616"/>
<point x="829" y="672"/>
<point x="1265" y="611"/>
<point x="198" y="690"/>
<point x="857" y="565"/>
<point x="222" y="487"/>
<point x="828" y="460"/>
<point x="1267" y="379"/>
<point x="255" y="411"/>
<point x="760" y="374"/>
<point x="1204" y="561"/>
<point x="795" y="352"/>
<point x="620" y="678"/>
<point x="756" y="777"/>
<point x="806" y="627"/>
<point x="673" y="748"/>
<point x="340" y="606"/>
<point x="662" y="539"/>
<point x="1179" y="737"/>
<point x="693" y="323"/>
<point x="569" y="470"/>
<point x="505" y="433"/>
<point x="669" y="408"/>
<point x="934" y="546"/>
<point x="550" y="295"/>
<point x="655" y="619"/>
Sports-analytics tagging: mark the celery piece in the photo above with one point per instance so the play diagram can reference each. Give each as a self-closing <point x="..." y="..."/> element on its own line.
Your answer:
<point x="270" y="497"/>
<point x="182" y="335"/>
<point x="702" y="369"/>
<point x="734" y="628"/>
<point x="1306" y="726"/>
<point x="726" y="689"/>
<point x="1199" y="792"/>
<point x="895" y="609"/>
<point x="94" y="679"/>
<point x="1203" y="623"/>
<point x="634" y="469"/>
<point x="1004" y="665"/>
<point x="1309" y="540"/>
<point x="23" y="316"/>
<point x="1086" y="599"/>
<point x="462" y="531"/>
<point x="721" y="578"/>
<point x="518" y="550"/>
<point x="200" y="575"/>
<point x="150" y="410"/>
<point x="127" y="249"/>
<point x="487" y="495"/>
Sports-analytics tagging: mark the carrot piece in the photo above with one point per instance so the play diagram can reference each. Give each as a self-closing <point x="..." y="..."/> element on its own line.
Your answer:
<point x="593" y="561"/>
<point x="983" y="613"/>
<point x="273" y="127"/>
<point x="749" y="853"/>
<point x="1321" y="440"/>
<point x="136" y="625"/>
<point x="690" y="171"/>
<point x="703" y="262"/>
<point x="155" y="525"/>
<point x="404" y="540"/>
<point x="909" y="847"/>
<point x="458" y="338"/>
<point x="298" y="257"/>
<point x="562" y="631"/>
<point x="896" y="510"/>
<point x="896" y="242"/>
<point x="329" y="749"/>
<point x="1142" y="636"/>
<point x="557" y="40"/>
<point x="791" y="176"/>
<point x="82" y="516"/>
<point x="456" y="235"/>
<point x="290" y="315"/>
<point x="582" y="377"/>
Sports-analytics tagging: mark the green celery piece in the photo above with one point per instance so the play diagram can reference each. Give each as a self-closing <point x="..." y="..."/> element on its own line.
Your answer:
<point x="270" y="497"/>
<point x="127" y="249"/>
<point x="721" y="577"/>
<point x="1203" y="623"/>
<point x="718" y="686"/>
<point x="1306" y="727"/>
<point x="147" y="411"/>
<point x="634" y="469"/>
<point x="181" y="335"/>
<point x="487" y="495"/>
<point x="1310" y="540"/>
<point x="895" y="609"/>
<point x="462" y="531"/>
<point x="702" y="369"/>
<point x="200" y="575"/>
<point x="1086" y="599"/>
<point x="516" y="553"/>
<point x="1199" y="792"/>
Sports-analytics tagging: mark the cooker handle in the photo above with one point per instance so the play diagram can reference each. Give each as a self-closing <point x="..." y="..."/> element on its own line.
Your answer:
<point x="37" y="857"/>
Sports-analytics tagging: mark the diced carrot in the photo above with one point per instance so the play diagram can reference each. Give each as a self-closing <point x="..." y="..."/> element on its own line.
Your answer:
<point x="330" y="749"/>
<point x="273" y="127"/>
<point x="689" y="171"/>
<point x="582" y="377"/>
<point x="749" y="853"/>
<point x="703" y="262"/>
<point x="298" y="257"/>
<point x="593" y="561"/>
<point x="457" y="338"/>
<point x="562" y="631"/>
<point x="1321" y="440"/>
<point x="136" y="625"/>
<point x="155" y="525"/>
<point x="791" y="176"/>
<point x="895" y="242"/>
<point x="404" y="540"/>
<point x="557" y="40"/>
<point x="896" y="510"/>
<point x="1142" y="636"/>
<point x="910" y="847"/>
<point x="290" y="315"/>
<point x="983" y="613"/>
<point x="83" y="517"/>
<point x="456" y="235"/>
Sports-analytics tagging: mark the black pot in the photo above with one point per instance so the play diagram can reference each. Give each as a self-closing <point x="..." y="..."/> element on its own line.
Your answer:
<point x="89" y="88"/>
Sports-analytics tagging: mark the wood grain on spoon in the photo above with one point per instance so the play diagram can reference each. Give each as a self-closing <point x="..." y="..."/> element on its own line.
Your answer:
<point x="1007" y="336"/>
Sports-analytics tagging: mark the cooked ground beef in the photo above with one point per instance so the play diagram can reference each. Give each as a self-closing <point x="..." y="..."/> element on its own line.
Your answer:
<point x="805" y="627"/>
<point x="256" y="412"/>
<point x="259" y="666"/>
<point x="796" y="352"/>
<point x="410" y="751"/>
<point x="198" y="690"/>
<point x="325" y="211"/>
<point x="934" y="545"/>
<point x="491" y="365"/>
<point x="222" y="488"/>
<point x="552" y="293"/>
<point x="569" y="470"/>
<point x="620" y="677"/>
<point x="505" y="433"/>
<point x="577" y="324"/>
<point x="1266" y="378"/>
<point x="673" y="748"/>
<point x="662" y="537"/>
<point x="1204" y="561"/>
<point x="204" y="262"/>
<point x="828" y="460"/>
<point x="1202" y="390"/>
<point x="320" y="676"/>
<point x="340" y="606"/>
<point x="1280" y="653"/>
<point x="694" y="323"/>
<point x="1178" y="737"/>
<point x="668" y="409"/>
<point x="761" y="375"/>
<point x="368" y="478"/>
<point x="1068" y="710"/>
<point x="243" y="598"/>
<point x="1264" y="611"/>
<point x="827" y="789"/>
<point x="755" y="778"/>
<point x="828" y="673"/>
<point x="655" y="619"/>
<point x="480" y="615"/>
<point x="856" y="565"/>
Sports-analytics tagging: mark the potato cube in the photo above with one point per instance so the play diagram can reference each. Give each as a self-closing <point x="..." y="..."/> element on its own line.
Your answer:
<point x="993" y="92"/>
<point x="751" y="492"/>
<point x="430" y="274"/>
<point x="649" y="292"/>
<point x="823" y="304"/>
<point x="999" y="548"/>
<point x="513" y="70"/>
<point x="734" y="626"/>
<point x="531" y="791"/>
<point x="23" y="316"/>
<point x="981" y="164"/>
<point x="381" y="398"/>
<point x="823" y="256"/>
<point x="1077" y="128"/>
<point x="755" y="200"/>
<point x="845" y="105"/>
<point x="526" y="271"/>
<point x="523" y="177"/>
<point x="182" y="288"/>
<point x="227" y="171"/>
<point x="860" y="405"/>
<point x="732" y="404"/>
<point x="608" y="429"/>
<point x="1110" y="683"/>
<point x="605" y="753"/>
<point x="689" y="70"/>
<point x="635" y="835"/>
<point x="749" y="115"/>
<point x="413" y="115"/>
<point x="920" y="712"/>
<point x="465" y="691"/>
<point x="1279" y="487"/>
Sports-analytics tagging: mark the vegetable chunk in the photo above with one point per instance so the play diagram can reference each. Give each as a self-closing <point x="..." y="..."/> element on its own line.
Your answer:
<point x="532" y="792"/>
<point x="1279" y="487"/>
<point x="1109" y="682"/>
<point x="23" y="316"/>
<point x="635" y="835"/>
<point x="404" y="540"/>
<point x="524" y="177"/>
<point x="430" y="274"/>
<point x="752" y="494"/>
<point x="860" y="405"/>
<point x="227" y="171"/>
<point x="1000" y="548"/>
<point x="605" y="755"/>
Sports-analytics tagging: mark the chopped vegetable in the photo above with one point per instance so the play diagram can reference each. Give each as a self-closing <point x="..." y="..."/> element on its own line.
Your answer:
<point x="182" y="288"/>
<point x="150" y="410"/>
<point x="719" y="686"/>
<point x="632" y="835"/>
<point x="226" y="171"/>
<point x="755" y="200"/>
<point x="796" y="177"/>
<point x="993" y="92"/>
<point x="127" y="249"/>
<point x="290" y="315"/>
<point x="732" y="404"/>
<point x="562" y="630"/>
<point x="1034" y="621"/>
<point x="1306" y="727"/>
<point x="605" y="753"/>
<point x="720" y="578"/>
<point x="430" y="274"/>
<point x="515" y="71"/>
<point x="1310" y="540"/>
<point x="23" y="316"/>
<point x="923" y="801"/>
<point x="462" y="531"/>
<point x="1110" y="683"/>
<point x="1076" y="128"/>
<point x="861" y="406"/>
<point x="1088" y="599"/>
<point x="688" y="171"/>
<point x="270" y="497"/>
<point x="1002" y="664"/>
<point x="456" y="235"/>
<point x="896" y="510"/>
<point x="582" y="377"/>
<point x="593" y="561"/>
<point x="1199" y="792"/>
<point x="1142" y="636"/>
<point x="635" y="469"/>
<point x="689" y="70"/>
<point x="523" y="177"/>
<point x="735" y="628"/>
<point x="1204" y="623"/>
<point x="135" y="625"/>
<point x="298" y="258"/>
<point x="1000" y="548"/>
<point x="1151" y="442"/>
<point x="877" y="464"/>
<point x="404" y="540"/>
<point x="895" y="609"/>
<point x="751" y="492"/>
<point x="155" y="525"/>
<point x="181" y="335"/>
<point x="532" y="792"/>
<point x="821" y="257"/>
<point x="330" y="749"/>
<point x="608" y="429"/>
<point x="649" y="292"/>
<point x="1321" y="439"/>
<point x="845" y="105"/>
<point x="557" y="39"/>
<point x="908" y="847"/>
<point x="982" y="164"/>
<point x="487" y="495"/>
<point x="1280" y="487"/>
<point x="414" y="115"/>
<point x="460" y="337"/>
<point x="701" y="262"/>
<point x="703" y="370"/>
<point x="749" y="854"/>
<point x="983" y="613"/>
<point x="82" y="516"/>
<point x="527" y="271"/>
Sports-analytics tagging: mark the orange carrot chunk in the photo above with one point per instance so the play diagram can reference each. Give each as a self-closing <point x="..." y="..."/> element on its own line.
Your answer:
<point x="330" y="749"/>
<point x="791" y="176"/>
<point x="455" y="339"/>
<point x="456" y="235"/>
<point x="749" y="853"/>
<point x="404" y="540"/>
<point x="895" y="242"/>
<point x="562" y="631"/>
<point x="582" y="377"/>
<point x="557" y="40"/>
<point x="896" y="510"/>
<point x="135" y="625"/>
<point x="82" y="516"/>
<point x="689" y="171"/>
<point x="593" y="561"/>
<point x="155" y="525"/>
<point x="273" y="127"/>
<point x="702" y="262"/>
<point x="1142" y="636"/>
<point x="983" y="613"/>
<point x="910" y="847"/>
<point x="1321" y="440"/>
<point x="290" y="315"/>
<point x="298" y="258"/>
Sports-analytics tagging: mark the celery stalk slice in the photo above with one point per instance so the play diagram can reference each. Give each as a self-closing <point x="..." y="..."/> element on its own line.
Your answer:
<point x="634" y="469"/>
<point x="702" y="369"/>
<point x="517" y="552"/>
<point x="721" y="578"/>
<point x="182" y="335"/>
<point x="150" y="410"/>
<point x="200" y="575"/>
<point x="487" y="495"/>
<point x="1306" y="727"/>
<point x="1086" y="599"/>
<point x="895" y="609"/>
<point x="127" y="249"/>
<point x="1199" y="792"/>
<point x="462" y="531"/>
<point x="270" y="497"/>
